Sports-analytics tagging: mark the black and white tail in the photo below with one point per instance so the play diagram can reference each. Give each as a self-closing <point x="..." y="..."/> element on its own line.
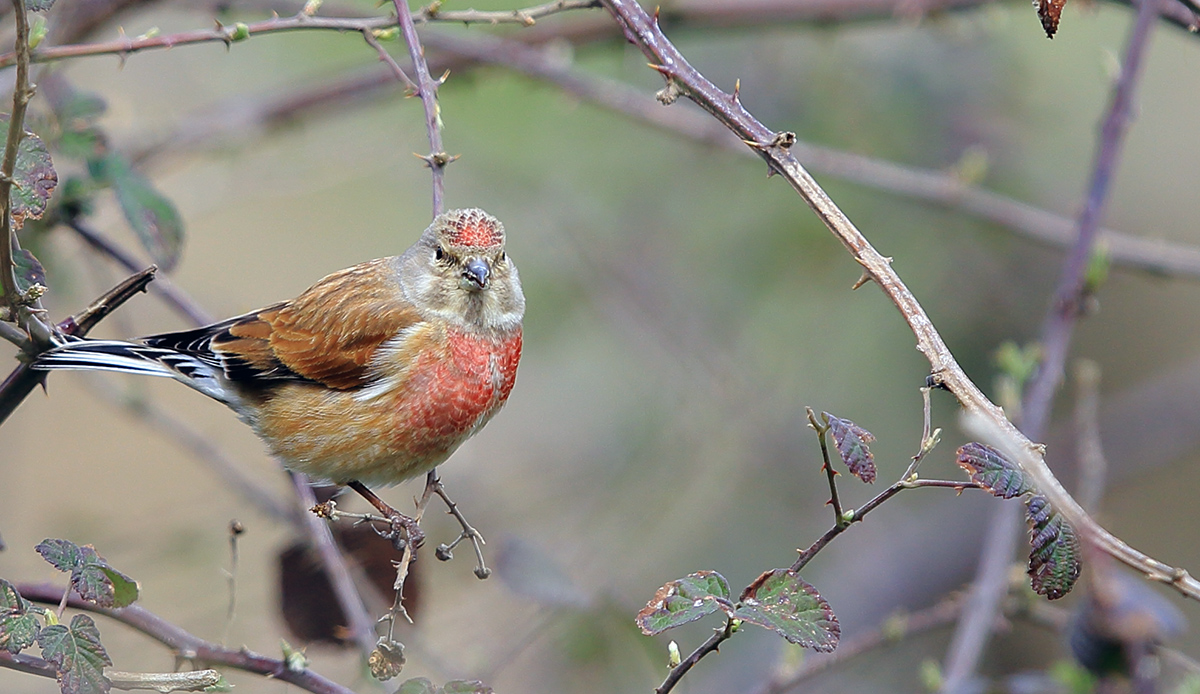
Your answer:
<point x="133" y="358"/>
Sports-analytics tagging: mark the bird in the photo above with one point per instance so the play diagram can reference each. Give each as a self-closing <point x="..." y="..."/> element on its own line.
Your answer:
<point x="374" y="375"/>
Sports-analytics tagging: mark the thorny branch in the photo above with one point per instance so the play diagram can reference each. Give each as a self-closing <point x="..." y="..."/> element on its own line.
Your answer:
<point x="21" y="382"/>
<point x="437" y="159"/>
<point x="682" y="79"/>
<point x="1056" y="333"/>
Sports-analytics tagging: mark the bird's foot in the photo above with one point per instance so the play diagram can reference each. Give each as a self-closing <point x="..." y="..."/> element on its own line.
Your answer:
<point x="403" y="530"/>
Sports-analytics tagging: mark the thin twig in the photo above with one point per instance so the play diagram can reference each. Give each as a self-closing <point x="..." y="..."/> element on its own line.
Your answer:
<point x="437" y="159"/>
<point x="712" y="645"/>
<point x="467" y="533"/>
<point x="1056" y="333"/>
<point x="822" y="429"/>
<point x="386" y="58"/>
<point x="11" y="295"/>
<point x="190" y="647"/>
<point x="188" y="681"/>
<point x="525" y="17"/>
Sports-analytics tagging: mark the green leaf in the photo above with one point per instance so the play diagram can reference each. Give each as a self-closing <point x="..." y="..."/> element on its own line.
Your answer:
<point x="78" y="655"/>
<point x="684" y="600"/>
<point x="18" y="628"/>
<point x="33" y="179"/>
<point x="38" y="5"/>
<point x="466" y="687"/>
<point x="91" y="576"/>
<point x="852" y="444"/>
<point x="29" y="270"/>
<point x="417" y="685"/>
<point x="779" y="599"/>
<point x="992" y="471"/>
<point x="1055" y="550"/>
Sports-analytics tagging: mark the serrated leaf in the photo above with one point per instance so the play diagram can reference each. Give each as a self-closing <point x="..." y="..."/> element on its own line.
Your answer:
<point x="1054" y="555"/>
<point x="852" y="444"/>
<point x="151" y="215"/>
<point x="91" y="576"/>
<point x="18" y="628"/>
<point x="466" y="687"/>
<point x="63" y="555"/>
<point x="780" y="600"/>
<point x="387" y="660"/>
<point x="28" y="270"/>
<point x="991" y="470"/>
<point x="77" y="654"/>
<point x="38" y="5"/>
<point x="417" y="685"/>
<point x="33" y="179"/>
<point x="684" y="600"/>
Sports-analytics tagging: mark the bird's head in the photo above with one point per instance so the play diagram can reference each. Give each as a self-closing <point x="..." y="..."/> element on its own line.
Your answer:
<point x="460" y="272"/>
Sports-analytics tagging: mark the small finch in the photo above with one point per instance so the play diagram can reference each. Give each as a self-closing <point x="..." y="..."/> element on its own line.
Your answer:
<point x="373" y="375"/>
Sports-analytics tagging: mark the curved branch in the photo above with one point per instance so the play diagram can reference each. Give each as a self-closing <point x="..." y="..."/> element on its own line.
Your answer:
<point x="190" y="647"/>
<point x="773" y="147"/>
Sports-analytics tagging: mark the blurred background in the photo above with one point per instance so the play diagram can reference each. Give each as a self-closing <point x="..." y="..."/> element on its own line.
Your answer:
<point x="682" y="312"/>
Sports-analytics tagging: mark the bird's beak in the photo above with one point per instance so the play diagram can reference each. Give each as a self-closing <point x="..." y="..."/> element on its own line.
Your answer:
<point x="476" y="273"/>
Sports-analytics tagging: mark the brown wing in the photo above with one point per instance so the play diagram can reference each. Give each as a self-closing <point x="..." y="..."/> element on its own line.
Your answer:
<point x="326" y="335"/>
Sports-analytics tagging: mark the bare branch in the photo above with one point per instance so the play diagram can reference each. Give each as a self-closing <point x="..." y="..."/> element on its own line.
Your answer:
<point x="190" y="647"/>
<point x="437" y="159"/>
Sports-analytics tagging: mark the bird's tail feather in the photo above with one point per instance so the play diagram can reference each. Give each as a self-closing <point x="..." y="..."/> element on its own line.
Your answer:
<point x="106" y="355"/>
<point x="133" y="358"/>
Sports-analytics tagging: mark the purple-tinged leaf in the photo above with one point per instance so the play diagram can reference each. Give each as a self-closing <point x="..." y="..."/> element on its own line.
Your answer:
<point x="1054" y="553"/>
<point x="77" y="654"/>
<point x="18" y="627"/>
<point x="852" y="442"/>
<point x="780" y="600"/>
<point x="991" y="470"/>
<point x="91" y="576"/>
<point x="28" y="270"/>
<point x="684" y="600"/>
<point x="33" y="179"/>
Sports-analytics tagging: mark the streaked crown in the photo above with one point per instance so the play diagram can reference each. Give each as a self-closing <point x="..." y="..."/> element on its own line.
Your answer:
<point x="469" y="229"/>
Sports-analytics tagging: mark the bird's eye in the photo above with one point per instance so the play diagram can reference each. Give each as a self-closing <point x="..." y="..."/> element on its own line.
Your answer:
<point x="439" y="253"/>
<point x="502" y="256"/>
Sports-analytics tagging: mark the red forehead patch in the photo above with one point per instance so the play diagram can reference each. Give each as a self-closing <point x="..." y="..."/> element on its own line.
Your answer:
<point x="473" y="228"/>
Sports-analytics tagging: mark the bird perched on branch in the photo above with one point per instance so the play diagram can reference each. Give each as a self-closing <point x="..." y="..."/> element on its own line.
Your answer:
<point x="373" y="375"/>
